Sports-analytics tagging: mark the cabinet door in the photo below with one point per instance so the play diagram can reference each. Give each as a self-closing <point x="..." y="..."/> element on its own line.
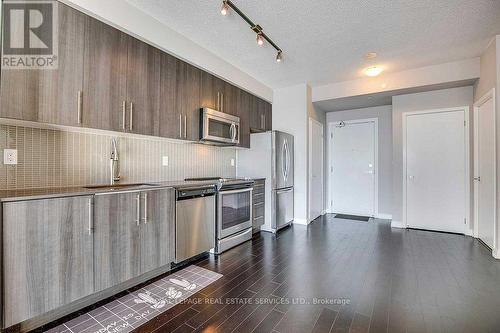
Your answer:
<point x="230" y="99"/>
<point x="49" y="95"/>
<point x="244" y="112"/>
<point x="117" y="238"/>
<point x="170" y="121"/>
<point x="157" y="229"/>
<point x="211" y="89"/>
<point x="255" y="114"/>
<point x="188" y="99"/>
<point x="47" y="255"/>
<point x="105" y="72"/>
<point x="143" y="88"/>
<point x="268" y="124"/>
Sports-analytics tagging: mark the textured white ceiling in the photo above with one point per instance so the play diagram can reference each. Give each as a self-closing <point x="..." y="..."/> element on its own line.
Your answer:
<point x="324" y="40"/>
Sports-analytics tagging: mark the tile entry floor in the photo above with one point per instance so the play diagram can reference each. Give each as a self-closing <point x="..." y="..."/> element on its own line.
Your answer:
<point x="345" y="276"/>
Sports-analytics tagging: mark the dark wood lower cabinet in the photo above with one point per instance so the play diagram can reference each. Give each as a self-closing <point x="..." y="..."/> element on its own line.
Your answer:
<point x="47" y="256"/>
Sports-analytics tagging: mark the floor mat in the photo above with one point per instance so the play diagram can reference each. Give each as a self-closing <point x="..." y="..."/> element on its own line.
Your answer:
<point x="352" y="217"/>
<point x="132" y="310"/>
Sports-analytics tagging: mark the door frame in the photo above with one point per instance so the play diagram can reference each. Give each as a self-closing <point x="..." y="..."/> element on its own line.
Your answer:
<point x="311" y="122"/>
<point x="465" y="109"/>
<point x="330" y="145"/>
<point x="485" y="98"/>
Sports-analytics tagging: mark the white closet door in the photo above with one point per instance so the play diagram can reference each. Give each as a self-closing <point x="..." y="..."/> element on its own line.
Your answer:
<point x="353" y="161"/>
<point x="435" y="162"/>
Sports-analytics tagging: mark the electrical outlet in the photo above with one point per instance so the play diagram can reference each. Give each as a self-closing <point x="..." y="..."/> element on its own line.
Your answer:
<point x="10" y="156"/>
<point x="164" y="161"/>
<point x="232" y="162"/>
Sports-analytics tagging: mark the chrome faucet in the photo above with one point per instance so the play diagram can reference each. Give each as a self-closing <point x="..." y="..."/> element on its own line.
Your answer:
<point x="114" y="163"/>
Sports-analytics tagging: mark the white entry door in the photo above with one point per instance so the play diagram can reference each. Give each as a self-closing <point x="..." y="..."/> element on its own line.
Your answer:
<point x="436" y="171"/>
<point x="484" y="169"/>
<point x="353" y="167"/>
<point x="315" y="169"/>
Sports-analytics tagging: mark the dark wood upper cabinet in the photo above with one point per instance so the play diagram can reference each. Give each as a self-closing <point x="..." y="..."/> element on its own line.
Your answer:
<point x="143" y="88"/>
<point x="49" y="95"/>
<point x="105" y="78"/>
<point x="170" y="119"/>
<point x="261" y="115"/>
<point x="212" y="89"/>
<point x="109" y="80"/>
<point x="187" y="99"/>
<point x="244" y="108"/>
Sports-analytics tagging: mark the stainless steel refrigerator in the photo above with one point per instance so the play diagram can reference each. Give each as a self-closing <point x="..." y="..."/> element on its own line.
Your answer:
<point x="271" y="156"/>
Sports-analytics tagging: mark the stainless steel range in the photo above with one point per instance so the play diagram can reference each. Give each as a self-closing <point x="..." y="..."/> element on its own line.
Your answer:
<point x="234" y="211"/>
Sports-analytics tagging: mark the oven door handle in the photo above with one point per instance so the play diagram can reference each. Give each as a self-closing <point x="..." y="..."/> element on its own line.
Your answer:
<point x="236" y="191"/>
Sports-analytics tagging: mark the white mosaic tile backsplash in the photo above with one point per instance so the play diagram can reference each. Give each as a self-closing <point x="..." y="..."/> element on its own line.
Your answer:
<point x="55" y="158"/>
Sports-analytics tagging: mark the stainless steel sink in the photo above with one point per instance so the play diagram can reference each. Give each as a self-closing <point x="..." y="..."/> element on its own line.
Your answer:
<point x="118" y="186"/>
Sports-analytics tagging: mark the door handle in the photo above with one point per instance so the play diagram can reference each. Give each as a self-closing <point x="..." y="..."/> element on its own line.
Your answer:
<point x="124" y="109"/>
<point x="284" y="191"/>
<point x="477" y="179"/>
<point x="283" y="160"/>
<point x="185" y="127"/>
<point x="91" y="217"/>
<point x="145" y="219"/>
<point x="180" y="125"/>
<point x="131" y="115"/>
<point x="79" y="107"/>
<point x="138" y="209"/>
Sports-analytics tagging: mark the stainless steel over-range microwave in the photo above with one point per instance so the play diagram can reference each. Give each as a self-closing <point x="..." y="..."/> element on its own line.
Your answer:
<point x="218" y="127"/>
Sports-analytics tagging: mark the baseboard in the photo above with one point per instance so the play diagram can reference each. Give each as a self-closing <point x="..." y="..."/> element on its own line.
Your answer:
<point x="397" y="224"/>
<point x="300" y="221"/>
<point x="383" y="216"/>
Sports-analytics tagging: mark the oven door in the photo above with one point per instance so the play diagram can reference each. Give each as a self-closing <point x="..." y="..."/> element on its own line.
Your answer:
<point x="220" y="127"/>
<point x="234" y="212"/>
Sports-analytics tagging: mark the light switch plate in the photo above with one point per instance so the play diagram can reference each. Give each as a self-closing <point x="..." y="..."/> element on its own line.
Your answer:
<point x="10" y="156"/>
<point x="232" y="162"/>
<point x="164" y="161"/>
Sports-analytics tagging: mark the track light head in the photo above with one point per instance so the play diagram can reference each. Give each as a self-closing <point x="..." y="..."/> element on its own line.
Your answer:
<point x="224" y="9"/>
<point x="260" y="39"/>
<point x="279" y="56"/>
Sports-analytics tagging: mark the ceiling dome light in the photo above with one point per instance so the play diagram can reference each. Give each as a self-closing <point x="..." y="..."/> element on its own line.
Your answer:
<point x="373" y="71"/>
<point x="224" y="9"/>
<point x="260" y="39"/>
<point x="279" y="56"/>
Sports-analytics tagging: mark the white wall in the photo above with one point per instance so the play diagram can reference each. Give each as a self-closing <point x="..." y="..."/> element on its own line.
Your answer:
<point x="290" y="112"/>
<point x="384" y="116"/>
<point x="132" y="20"/>
<point x="438" y="99"/>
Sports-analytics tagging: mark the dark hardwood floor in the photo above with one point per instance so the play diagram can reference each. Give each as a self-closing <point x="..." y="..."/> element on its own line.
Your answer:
<point x="372" y="279"/>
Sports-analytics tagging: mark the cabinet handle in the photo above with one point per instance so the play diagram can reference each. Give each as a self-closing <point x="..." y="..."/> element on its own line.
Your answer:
<point x="222" y="102"/>
<point x="145" y="219"/>
<point x="138" y="209"/>
<point x="124" y="109"/>
<point x="131" y="115"/>
<point x="91" y="217"/>
<point x="180" y="125"/>
<point x="79" y="108"/>
<point x="218" y="101"/>
<point x="185" y="127"/>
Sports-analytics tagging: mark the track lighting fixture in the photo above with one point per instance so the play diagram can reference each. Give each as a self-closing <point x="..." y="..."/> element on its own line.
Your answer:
<point x="224" y="8"/>
<point x="261" y="36"/>
<point x="279" y="56"/>
<point x="260" y="39"/>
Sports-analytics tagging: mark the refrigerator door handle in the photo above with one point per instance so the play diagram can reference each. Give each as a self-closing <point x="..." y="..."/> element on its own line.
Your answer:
<point x="287" y="162"/>
<point x="283" y="161"/>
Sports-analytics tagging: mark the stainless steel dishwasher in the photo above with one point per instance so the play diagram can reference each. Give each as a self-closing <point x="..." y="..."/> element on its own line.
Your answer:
<point x="194" y="221"/>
